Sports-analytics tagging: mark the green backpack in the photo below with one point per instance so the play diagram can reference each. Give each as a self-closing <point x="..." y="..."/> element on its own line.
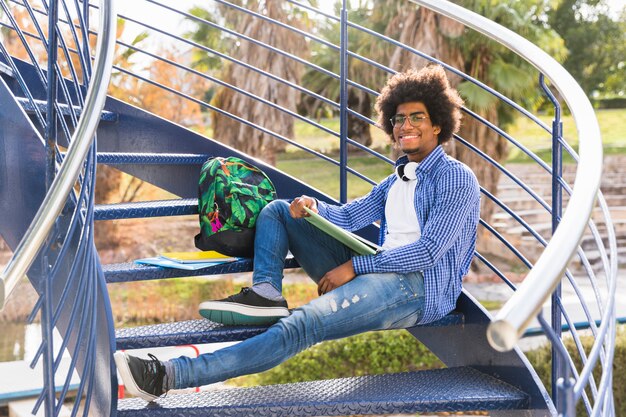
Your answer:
<point x="231" y="194"/>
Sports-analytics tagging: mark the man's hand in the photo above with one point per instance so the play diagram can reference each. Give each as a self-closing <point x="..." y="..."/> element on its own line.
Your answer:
<point x="336" y="278"/>
<point x="296" y="208"/>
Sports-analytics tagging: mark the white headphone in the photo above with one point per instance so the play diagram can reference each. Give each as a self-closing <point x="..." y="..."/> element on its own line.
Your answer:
<point x="406" y="172"/>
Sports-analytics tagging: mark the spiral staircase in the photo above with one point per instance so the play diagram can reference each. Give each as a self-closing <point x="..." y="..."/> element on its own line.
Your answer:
<point x="59" y="125"/>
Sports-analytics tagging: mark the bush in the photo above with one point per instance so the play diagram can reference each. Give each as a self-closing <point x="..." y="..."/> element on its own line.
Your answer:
<point x="611" y="103"/>
<point x="369" y="353"/>
<point x="541" y="361"/>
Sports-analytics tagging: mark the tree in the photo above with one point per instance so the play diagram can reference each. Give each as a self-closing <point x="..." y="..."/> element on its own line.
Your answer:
<point x="498" y="67"/>
<point x="596" y="44"/>
<point x="358" y="71"/>
<point x="229" y="130"/>
<point x="12" y="42"/>
<point x="483" y="59"/>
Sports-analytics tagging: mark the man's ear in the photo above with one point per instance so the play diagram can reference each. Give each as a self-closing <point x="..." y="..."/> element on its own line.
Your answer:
<point x="436" y="130"/>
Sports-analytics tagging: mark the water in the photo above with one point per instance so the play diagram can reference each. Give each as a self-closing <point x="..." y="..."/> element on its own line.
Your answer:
<point x="19" y="341"/>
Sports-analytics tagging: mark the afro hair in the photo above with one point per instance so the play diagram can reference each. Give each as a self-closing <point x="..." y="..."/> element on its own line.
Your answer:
<point x="430" y="86"/>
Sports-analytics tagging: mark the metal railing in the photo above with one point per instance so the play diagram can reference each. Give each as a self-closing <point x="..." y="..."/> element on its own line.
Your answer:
<point x="544" y="273"/>
<point x="57" y="251"/>
<point x="582" y="196"/>
<point x="81" y="142"/>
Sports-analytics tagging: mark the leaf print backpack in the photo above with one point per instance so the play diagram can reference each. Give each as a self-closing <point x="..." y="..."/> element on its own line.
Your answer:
<point x="231" y="194"/>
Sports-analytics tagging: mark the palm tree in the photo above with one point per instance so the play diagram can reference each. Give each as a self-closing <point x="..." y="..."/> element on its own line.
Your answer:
<point x="499" y="68"/>
<point x="230" y="131"/>
<point x="358" y="71"/>
<point x="482" y="59"/>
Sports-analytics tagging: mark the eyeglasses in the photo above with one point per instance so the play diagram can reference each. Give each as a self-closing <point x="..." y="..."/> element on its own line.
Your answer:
<point x="415" y="119"/>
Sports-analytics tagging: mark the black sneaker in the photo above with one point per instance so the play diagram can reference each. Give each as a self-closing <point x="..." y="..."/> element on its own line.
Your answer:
<point x="246" y="308"/>
<point x="142" y="377"/>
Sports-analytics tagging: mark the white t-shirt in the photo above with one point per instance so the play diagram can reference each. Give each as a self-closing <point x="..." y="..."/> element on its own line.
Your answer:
<point x="402" y="225"/>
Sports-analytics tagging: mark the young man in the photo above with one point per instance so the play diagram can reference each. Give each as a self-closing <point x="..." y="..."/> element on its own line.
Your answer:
<point x="429" y="211"/>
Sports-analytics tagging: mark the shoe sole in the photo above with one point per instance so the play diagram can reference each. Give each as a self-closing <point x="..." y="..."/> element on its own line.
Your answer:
<point x="234" y="314"/>
<point x="127" y="377"/>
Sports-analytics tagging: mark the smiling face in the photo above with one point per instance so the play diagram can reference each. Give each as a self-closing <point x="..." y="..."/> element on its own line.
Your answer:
<point x="415" y="141"/>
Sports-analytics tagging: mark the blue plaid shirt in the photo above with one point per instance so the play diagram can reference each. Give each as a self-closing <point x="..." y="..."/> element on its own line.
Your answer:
<point x="447" y="203"/>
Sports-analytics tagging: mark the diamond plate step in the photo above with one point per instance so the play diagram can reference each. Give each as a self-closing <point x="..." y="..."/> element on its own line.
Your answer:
<point x="130" y="271"/>
<point x="440" y="390"/>
<point x="159" y="208"/>
<point x="29" y="107"/>
<point x="119" y="158"/>
<point x="192" y="332"/>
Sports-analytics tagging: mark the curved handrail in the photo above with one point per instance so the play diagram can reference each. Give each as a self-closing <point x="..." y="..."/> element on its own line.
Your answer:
<point x="82" y="140"/>
<point x="515" y="316"/>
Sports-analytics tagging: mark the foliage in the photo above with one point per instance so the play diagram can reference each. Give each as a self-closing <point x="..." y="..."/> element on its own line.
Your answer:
<point x="364" y="354"/>
<point x="541" y="361"/>
<point x="235" y="44"/>
<point x="497" y="66"/>
<point x="150" y="95"/>
<point x="596" y="42"/>
<point x="11" y="40"/>
<point x="169" y="300"/>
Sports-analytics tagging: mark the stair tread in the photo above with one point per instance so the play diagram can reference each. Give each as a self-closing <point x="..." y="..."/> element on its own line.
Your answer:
<point x="130" y="271"/>
<point x="5" y="69"/>
<point x="205" y="331"/>
<point x="157" y="208"/>
<point x="439" y="390"/>
<point x="65" y="109"/>
<point x="120" y="158"/>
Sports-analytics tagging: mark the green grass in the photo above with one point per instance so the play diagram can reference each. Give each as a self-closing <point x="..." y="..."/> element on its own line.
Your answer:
<point x="612" y="129"/>
<point x="325" y="176"/>
<point x="314" y="138"/>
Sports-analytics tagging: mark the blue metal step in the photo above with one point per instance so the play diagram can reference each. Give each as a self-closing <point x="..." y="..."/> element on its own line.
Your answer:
<point x="28" y="107"/>
<point x="194" y="332"/>
<point x="158" y="208"/>
<point x="130" y="271"/>
<point x="440" y="390"/>
<point x="5" y="69"/>
<point x="119" y="158"/>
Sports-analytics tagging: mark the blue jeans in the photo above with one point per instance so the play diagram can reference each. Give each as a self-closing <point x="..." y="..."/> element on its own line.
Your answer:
<point x="368" y="302"/>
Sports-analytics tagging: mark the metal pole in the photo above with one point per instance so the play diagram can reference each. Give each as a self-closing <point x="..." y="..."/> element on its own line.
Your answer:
<point x="86" y="46"/>
<point x="558" y="362"/>
<point x="47" y="334"/>
<point x="51" y="141"/>
<point x="51" y="125"/>
<point x="343" y="110"/>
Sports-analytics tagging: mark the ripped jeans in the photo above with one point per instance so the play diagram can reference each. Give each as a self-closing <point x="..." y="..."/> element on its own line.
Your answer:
<point x="368" y="302"/>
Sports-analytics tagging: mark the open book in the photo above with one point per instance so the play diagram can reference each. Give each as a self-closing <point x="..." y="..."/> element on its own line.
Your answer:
<point x="187" y="260"/>
<point x="359" y="245"/>
<point x="197" y="257"/>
